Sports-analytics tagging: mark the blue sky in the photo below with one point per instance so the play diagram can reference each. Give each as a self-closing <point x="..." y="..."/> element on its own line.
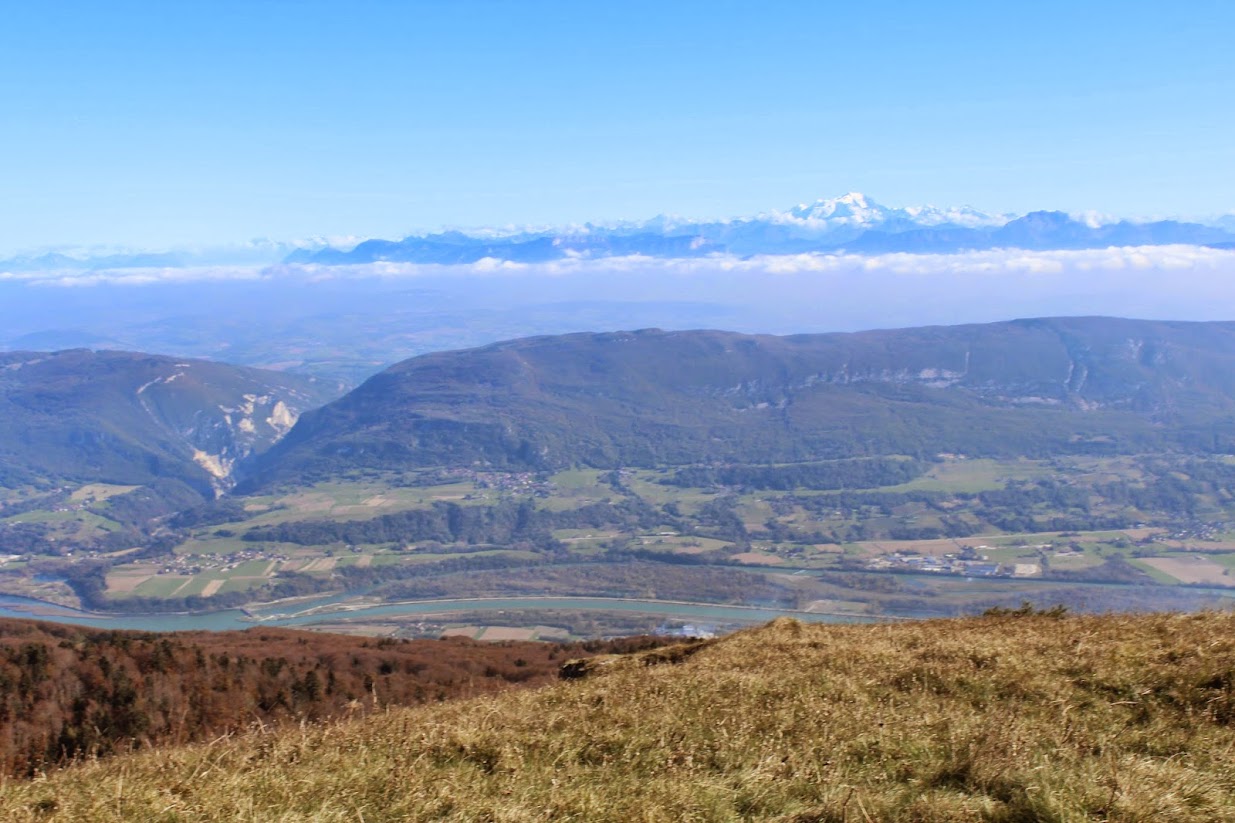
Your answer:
<point x="154" y="124"/>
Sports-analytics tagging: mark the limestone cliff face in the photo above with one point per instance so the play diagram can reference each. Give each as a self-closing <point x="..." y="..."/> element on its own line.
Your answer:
<point x="128" y="417"/>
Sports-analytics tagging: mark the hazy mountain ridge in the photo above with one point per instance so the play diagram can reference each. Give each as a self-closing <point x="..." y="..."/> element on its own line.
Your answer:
<point x="663" y="398"/>
<point x="255" y="252"/>
<point x="851" y="223"/>
<point x="130" y="418"/>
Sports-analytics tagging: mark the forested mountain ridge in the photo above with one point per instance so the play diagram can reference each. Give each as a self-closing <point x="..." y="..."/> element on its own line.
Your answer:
<point x="132" y="418"/>
<point x="651" y="397"/>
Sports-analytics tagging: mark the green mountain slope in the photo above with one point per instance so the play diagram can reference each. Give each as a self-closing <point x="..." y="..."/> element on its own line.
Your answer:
<point x="1032" y="387"/>
<point x="122" y="417"/>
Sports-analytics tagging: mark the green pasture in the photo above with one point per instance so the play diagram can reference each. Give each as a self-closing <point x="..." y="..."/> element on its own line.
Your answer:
<point x="1226" y="561"/>
<point x="161" y="585"/>
<point x="683" y="543"/>
<point x="207" y="543"/>
<point x="973" y="476"/>
<point x="98" y="492"/>
<point x="578" y="481"/>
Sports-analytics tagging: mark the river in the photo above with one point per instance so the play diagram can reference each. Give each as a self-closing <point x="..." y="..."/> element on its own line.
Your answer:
<point x="331" y="609"/>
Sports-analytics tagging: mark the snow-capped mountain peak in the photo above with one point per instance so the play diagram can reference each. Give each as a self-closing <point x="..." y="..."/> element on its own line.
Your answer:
<point x="856" y="210"/>
<point x="853" y="207"/>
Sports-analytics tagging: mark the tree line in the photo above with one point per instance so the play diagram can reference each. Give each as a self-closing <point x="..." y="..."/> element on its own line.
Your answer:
<point x="860" y="473"/>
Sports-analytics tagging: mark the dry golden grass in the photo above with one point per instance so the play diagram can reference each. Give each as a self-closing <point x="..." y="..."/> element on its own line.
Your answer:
<point x="1013" y="718"/>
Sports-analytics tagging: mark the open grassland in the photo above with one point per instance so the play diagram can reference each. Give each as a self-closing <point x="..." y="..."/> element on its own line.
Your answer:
<point x="98" y="492"/>
<point x="1017" y="717"/>
<point x="358" y="499"/>
<point x="975" y="475"/>
<point x="16" y="494"/>
<point x="75" y="524"/>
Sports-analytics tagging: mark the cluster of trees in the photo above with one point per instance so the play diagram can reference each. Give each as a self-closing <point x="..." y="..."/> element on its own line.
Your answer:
<point x="137" y="516"/>
<point x="33" y="503"/>
<point x="864" y="473"/>
<point x="213" y="513"/>
<point x="1170" y="489"/>
<point x="159" y="498"/>
<point x="505" y="523"/>
<point x="24" y="538"/>
<point x="68" y="692"/>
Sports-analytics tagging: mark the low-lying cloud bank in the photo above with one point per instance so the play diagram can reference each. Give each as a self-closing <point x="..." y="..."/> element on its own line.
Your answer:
<point x="350" y="320"/>
<point x="1174" y="259"/>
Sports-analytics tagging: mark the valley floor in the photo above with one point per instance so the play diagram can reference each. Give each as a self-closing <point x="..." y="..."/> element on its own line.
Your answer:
<point x="874" y="538"/>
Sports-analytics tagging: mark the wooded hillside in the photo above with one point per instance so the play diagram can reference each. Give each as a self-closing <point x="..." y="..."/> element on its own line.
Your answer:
<point x="68" y="692"/>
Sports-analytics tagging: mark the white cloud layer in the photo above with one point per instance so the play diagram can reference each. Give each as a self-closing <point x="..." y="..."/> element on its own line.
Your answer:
<point x="992" y="263"/>
<point x="226" y="311"/>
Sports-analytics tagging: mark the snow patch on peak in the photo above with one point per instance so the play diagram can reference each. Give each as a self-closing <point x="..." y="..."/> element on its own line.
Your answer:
<point x="964" y="216"/>
<point x="853" y="207"/>
<point x="857" y="211"/>
<point x="1094" y="219"/>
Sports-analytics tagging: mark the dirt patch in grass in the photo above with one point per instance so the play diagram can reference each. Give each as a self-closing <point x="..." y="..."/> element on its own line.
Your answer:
<point x="755" y="557"/>
<point x="1191" y="569"/>
<point x="310" y="502"/>
<point x="492" y="633"/>
<point x="469" y="632"/>
<point x="125" y="583"/>
<point x="319" y="564"/>
<point x="1204" y="546"/>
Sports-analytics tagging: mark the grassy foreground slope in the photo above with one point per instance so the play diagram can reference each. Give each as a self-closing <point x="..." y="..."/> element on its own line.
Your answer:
<point x="1012" y="718"/>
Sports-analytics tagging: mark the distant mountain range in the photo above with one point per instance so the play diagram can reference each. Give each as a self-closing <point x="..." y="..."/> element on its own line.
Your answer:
<point x="852" y="223"/>
<point x="253" y="253"/>
<point x="656" y="398"/>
